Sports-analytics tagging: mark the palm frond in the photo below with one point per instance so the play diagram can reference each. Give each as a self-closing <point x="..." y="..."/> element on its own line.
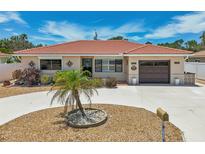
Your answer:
<point x="70" y="83"/>
<point x="56" y="94"/>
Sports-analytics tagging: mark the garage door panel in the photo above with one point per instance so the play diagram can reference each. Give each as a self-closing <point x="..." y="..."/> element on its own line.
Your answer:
<point x="153" y="76"/>
<point x="154" y="80"/>
<point x="154" y="71"/>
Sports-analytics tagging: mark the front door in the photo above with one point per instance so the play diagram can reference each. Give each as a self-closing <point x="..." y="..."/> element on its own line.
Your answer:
<point x="87" y="65"/>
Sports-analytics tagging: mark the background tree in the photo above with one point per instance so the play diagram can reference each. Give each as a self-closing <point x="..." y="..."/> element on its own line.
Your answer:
<point x="202" y="37"/>
<point x="14" y="43"/>
<point x="178" y="44"/>
<point x="148" y="42"/>
<point x="192" y="45"/>
<point x="117" y="38"/>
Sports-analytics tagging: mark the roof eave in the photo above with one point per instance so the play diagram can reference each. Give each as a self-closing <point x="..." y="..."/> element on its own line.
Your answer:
<point x="164" y="55"/>
<point x="29" y="55"/>
<point x="38" y="55"/>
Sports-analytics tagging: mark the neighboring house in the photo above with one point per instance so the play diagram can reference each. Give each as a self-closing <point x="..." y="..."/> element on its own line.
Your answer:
<point x="112" y="58"/>
<point x="3" y="57"/>
<point x="196" y="64"/>
<point x="197" y="57"/>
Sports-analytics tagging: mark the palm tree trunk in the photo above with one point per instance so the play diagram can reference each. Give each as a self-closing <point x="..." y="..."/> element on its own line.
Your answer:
<point x="78" y="102"/>
<point x="65" y="109"/>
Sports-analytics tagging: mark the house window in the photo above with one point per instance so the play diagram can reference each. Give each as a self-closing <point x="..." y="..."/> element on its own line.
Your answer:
<point x="98" y="65"/>
<point x="108" y="65"/>
<point x="118" y="65"/>
<point x="50" y="64"/>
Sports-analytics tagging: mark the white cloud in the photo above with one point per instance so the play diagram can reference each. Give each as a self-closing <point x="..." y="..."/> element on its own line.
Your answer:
<point x="8" y="29"/>
<point x="188" y="23"/>
<point x="97" y="21"/>
<point x="123" y="30"/>
<point x="14" y="33"/>
<point x="129" y="28"/>
<point x="47" y="38"/>
<point x="135" y="38"/>
<point x="64" y="29"/>
<point x="11" y="16"/>
<point x="72" y="31"/>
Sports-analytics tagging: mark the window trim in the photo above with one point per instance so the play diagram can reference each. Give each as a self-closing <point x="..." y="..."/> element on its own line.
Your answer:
<point x="116" y="66"/>
<point x="55" y="58"/>
<point x="108" y="65"/>
<point x="100" y="64"/>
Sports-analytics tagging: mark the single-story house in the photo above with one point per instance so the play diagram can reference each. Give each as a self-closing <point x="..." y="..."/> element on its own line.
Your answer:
<point x="3" y="57"/>
<point x="121" y="59"/>
<point x="197" y="57"/>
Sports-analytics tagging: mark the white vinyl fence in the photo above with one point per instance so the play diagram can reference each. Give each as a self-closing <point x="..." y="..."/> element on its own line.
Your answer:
<point x="7" y="69"/>
<point x="197" y="68"/>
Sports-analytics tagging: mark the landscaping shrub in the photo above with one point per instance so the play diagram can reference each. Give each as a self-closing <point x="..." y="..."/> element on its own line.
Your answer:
<point x="17" y="74"/>
<point x="29" y="76"/>
<point x="111" y="82"/>
<point x="46" y="79"/>
<point x="99" y="82"/>
<point x="59" y="75"/>
<point x="6" y="83"/>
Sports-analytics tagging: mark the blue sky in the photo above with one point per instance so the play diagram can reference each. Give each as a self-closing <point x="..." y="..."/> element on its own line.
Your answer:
<point x="56" y="27"/>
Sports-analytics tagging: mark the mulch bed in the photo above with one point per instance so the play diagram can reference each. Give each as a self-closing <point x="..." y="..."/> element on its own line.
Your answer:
<point x="124" y="124"/>
<point x="18" y="90"/>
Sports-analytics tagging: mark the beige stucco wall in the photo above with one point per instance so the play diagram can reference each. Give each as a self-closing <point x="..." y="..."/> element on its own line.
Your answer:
<point x="27" y="59"/>
<point x="76" y="61"/>
<point x="176" y="70"/>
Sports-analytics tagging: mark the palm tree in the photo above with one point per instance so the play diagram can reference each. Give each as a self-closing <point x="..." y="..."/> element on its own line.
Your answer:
<point x="192" y="45"/>
<point x="202" y="37"/>
<point x="70" y="85"/>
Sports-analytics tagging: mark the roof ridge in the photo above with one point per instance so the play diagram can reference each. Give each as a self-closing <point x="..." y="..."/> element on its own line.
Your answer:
<point x="146" y="45"/>
<point x="103" y="40"/>
<point x="168" y="47"/>
<point x="143" y="45"/>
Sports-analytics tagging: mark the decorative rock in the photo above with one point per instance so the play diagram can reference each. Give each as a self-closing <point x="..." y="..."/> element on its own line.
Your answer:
<point x="94" y="117"/>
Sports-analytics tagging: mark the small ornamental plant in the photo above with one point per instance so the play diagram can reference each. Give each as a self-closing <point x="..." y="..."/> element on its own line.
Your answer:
<point x="71" y="85"/>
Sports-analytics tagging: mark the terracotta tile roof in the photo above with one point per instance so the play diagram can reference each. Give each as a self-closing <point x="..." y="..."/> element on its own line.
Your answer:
<point x="153" y="49"/>
<point x="102" y="47"/>
<point x="199" y="54"/>
<point x="85" y="47"/>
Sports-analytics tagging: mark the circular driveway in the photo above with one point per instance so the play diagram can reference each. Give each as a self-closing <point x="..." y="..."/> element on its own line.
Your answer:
<point x="185" y="105"/>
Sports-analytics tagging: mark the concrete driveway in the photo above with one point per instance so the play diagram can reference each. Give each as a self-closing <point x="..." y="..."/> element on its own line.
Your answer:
<point x="185" y="105"/>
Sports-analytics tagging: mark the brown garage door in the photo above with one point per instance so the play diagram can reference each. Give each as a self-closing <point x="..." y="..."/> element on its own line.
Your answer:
<point x="154" y="71"/>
